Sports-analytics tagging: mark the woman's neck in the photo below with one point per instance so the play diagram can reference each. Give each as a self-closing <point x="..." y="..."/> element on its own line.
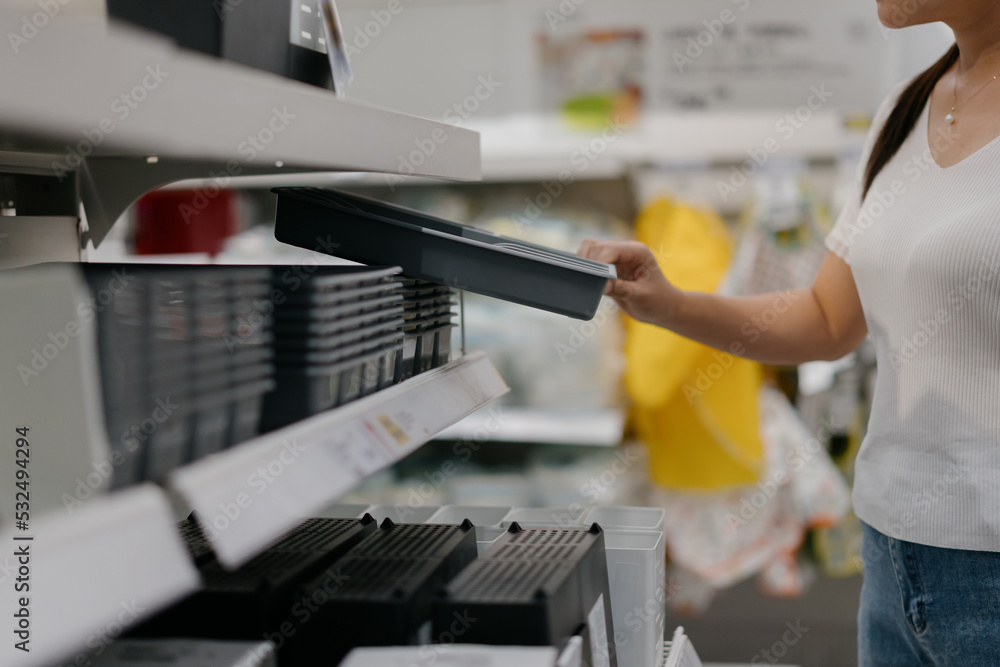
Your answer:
<point x="978" y="39"/>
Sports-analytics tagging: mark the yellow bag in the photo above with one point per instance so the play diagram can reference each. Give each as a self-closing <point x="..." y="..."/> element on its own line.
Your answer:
<point x="695" y="407"/>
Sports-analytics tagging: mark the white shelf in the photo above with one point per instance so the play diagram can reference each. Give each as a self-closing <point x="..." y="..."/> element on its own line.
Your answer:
<point x="601" y="428"/>
<point x="249" y="496"/>
<point x="94" y="573"/>
<point x="195" y="116"/>
<point x="532" y="147"/>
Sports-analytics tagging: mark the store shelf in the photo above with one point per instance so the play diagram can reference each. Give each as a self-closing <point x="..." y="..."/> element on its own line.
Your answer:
<point x="249" y="496"/>
<point x="118" y="96"/>
<point x="93" y="573"/>
<point x="601" y="428"/>
<point x="533" y="147"/>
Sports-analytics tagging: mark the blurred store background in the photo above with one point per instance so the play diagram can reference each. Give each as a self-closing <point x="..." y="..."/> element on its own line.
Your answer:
<point x="724" y="134"/>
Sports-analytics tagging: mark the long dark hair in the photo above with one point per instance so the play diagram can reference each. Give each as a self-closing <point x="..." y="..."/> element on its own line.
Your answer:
<point x="904" y="116"/>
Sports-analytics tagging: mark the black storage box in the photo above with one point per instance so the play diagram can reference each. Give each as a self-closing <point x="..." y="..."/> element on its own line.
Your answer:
<point x="182" y="370"/>
<point x="388" y="584"/>
<point x="259" y="597"/>
<point x="533" y="587"/>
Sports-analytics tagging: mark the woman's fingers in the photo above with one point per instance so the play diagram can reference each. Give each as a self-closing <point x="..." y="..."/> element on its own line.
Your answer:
<point x="623" y="254"/>
<point x="595" y="250"/>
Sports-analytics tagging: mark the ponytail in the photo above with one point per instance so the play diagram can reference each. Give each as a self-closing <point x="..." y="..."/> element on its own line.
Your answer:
<point x="904" y="116"/>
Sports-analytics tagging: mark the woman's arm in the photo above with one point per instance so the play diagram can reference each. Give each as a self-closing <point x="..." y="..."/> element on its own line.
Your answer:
<point x="781" y="328"/>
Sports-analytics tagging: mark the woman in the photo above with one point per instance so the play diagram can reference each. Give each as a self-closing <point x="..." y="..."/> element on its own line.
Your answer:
<point x="914" y="261"/>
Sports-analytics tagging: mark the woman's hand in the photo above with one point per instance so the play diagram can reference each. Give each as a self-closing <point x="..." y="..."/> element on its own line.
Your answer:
<point x="822" y="322"/>
<point x="641" y="290"/>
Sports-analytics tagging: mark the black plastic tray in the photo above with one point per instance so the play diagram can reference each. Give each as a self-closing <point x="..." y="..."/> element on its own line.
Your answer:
<point x="292" y="344"/>
<point x="334" y="313"/>
<point x="532" y="587"/>
<point x="373" y="232"/>
<point x="320" y="329"/>
<point x="335" y="277"/>
<point x="305" y="390"/>
<point x="388" y="584"/>
<point x="258" y="597"/>
<point x="353" y="294"/>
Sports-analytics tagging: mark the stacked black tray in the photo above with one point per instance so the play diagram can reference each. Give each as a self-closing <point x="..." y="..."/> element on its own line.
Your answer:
<point x="183" y="369"/>
<point x="337" y="338"/>
<point x="428" y="321"/>
<point x="534" y="587"/>
<point x="262" y="599"/>
<point x="387" y="585"/>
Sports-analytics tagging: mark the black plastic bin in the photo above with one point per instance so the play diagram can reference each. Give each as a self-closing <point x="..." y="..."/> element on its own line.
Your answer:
<point x="178" y="358"/>
<point x="259" y="597"/>
<point x="388" y="584"/>
<point x="532" y="587"/>
<point x="429" y="248"/>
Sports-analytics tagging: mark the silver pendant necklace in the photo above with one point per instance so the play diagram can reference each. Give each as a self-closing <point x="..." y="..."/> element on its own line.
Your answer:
<point x="950" y="117"/>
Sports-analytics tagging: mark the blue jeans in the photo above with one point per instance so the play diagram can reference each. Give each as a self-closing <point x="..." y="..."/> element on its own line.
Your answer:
<point x="925" y="605"/>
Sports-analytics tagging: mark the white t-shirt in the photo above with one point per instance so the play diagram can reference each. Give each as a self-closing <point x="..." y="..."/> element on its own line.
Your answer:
<point x="924" y="247"/>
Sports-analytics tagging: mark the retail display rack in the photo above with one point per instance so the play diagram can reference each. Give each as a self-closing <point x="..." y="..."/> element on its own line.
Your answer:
<point x="92" y="116"/>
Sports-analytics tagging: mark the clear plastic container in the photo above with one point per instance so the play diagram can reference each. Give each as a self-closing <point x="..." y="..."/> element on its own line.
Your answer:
<point x="486" y="536"/>
<point x="642" y="518"/>
<point x="562" y="517"/>
<point x="638" y="597"/>
<point x="479" y="515"/>
<point x="637" y="518"/>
